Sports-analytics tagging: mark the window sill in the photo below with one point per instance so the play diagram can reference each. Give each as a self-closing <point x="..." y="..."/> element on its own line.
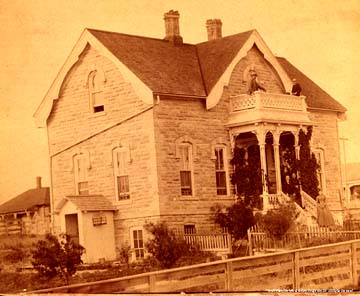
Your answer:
<point x="97" y="114"/>
<point x="225" y="197"/>
<point x="187" y="197"/>
<point x="123" y="201"/>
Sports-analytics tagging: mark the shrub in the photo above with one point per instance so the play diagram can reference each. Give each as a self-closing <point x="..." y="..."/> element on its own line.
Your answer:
<point x="237" y="218"/>
<point x="165" y="246"/>
<point x="277" y="222"/>
<point x="125" y="254"/>
<point x="52" y="257"/>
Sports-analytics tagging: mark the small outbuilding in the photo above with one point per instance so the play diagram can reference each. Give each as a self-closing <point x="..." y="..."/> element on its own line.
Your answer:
<point x="27" y="213"/>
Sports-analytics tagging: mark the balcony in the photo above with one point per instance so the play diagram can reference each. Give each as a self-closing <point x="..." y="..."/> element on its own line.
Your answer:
<point x="268" y="107"/>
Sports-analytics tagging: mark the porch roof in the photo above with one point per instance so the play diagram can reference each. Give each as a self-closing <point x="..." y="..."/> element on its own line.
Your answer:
<point x="90" y="203"/>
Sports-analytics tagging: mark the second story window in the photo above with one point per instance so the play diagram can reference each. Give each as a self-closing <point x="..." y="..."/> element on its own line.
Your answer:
<point x="96" y="94"/>
<point x="220" y="171"/>
<point x="81" y="175"/>
<point x="121" y="174"/>
<point x="186" y="169"/>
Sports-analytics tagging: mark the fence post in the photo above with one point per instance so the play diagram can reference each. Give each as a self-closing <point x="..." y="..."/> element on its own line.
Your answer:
<point x="354" y="265"/>
<point x="228" y="277"/>
<point x="249" y="242"/>
<point x="229" y="242"/>
<point x="296" y="270"/>
<point x="151" y="283"/>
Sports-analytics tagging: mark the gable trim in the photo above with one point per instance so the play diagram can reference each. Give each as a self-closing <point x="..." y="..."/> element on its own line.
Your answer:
<point x="254" y="39"/>
<point x="43" y="111"/>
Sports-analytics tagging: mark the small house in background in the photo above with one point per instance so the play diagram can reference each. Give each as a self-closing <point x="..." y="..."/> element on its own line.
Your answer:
<point x="27" y="213"/>
<point x="351" y="200"/>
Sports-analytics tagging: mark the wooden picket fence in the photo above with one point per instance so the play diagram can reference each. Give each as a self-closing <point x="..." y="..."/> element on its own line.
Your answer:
<point x="260" y="241"/>
<point x="210" y="242"/>
<point x="332" y="266"/>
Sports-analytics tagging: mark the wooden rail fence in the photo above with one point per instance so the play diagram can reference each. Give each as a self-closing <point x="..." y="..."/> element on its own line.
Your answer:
<point x="333" y="266"/>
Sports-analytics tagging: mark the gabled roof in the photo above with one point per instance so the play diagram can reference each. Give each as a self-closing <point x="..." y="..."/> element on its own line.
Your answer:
<point x="158" y="66"/>
<point x="88" y="203"/>
<point x="27" y="201"/>
<point x="216" y="55"/>
<point x="165" y="68"/>
<point x="316" y="97"/>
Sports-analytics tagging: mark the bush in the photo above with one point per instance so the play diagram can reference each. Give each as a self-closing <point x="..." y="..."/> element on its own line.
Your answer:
<point x="237" y="218"/>
<point x="52" y="257"/>
<point x="165" y="246"/>
<point x="125" y="254"/>
<point x="277" y="222"/>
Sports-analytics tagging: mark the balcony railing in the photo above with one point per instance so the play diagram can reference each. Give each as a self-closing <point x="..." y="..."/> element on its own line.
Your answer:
<point x="262" y="100"/>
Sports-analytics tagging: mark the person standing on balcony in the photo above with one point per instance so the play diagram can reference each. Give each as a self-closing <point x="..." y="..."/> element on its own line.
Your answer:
<point x="325" y="219"/>
<point x="296" y="89"/>
<point x="254" y="84"/>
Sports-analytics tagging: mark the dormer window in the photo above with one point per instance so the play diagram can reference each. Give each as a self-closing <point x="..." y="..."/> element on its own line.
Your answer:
<point x="96" y="94"/>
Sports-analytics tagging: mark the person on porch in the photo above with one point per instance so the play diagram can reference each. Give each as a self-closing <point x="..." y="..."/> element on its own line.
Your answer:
<point x="296" y="89"/>
<point x="324" y="219"/>
<point x="254" y="84"/>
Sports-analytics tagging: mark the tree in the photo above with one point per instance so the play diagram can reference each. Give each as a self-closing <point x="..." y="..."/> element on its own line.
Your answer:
<point x="247" y="175"/>
<point x="308" y="165"/>
<point x="165" y="246"/>
<point x="237" y="219"/>
<point x="53" y="256"/>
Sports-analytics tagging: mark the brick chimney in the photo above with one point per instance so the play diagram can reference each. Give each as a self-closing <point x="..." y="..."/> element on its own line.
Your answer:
<point x="214" y="29"/>
<point x="172" y="29"/>
<point x="38" y="182"/>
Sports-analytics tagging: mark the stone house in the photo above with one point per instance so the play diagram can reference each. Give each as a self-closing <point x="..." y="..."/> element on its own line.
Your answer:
<point x="142" y="129"/>
<point x="27" y="213"/>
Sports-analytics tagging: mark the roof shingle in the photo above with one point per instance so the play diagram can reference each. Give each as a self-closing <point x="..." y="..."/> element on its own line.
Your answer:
<point x="91" y="203"/>
<point x="316" y="97"/>
<point x="194" y="69"/>
<point x="26" y="201"/>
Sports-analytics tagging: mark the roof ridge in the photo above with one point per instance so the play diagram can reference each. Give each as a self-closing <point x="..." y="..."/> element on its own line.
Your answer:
<point x="226" y="37"/>
<point x="135" y="36"/>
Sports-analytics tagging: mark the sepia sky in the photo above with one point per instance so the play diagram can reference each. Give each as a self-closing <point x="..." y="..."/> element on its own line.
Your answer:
<point x="320" y="37"/>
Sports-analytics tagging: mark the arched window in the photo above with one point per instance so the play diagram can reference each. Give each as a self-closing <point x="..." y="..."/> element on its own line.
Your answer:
<point x="96" y="95"/>
<point x="186" y="168"/>
<point x="120" y="161"/>
<point x="81" y="175"/>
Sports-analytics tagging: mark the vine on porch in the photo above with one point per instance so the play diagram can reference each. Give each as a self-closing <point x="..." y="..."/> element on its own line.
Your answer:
<point x="308" y="165"/>
<point x="247" y="175"/>
<point x="302" y="172"/>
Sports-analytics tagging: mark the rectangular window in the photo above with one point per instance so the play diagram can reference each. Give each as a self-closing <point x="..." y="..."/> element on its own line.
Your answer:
<point x="186" y="170"/>
<point x="220" y="172"/>
<point x="122" y="177"/>
<point x="138" y="244"/>
<point x="81" y="177"/>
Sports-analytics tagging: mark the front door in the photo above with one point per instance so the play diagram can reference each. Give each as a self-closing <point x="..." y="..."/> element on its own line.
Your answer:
<point x="72" y="226"/>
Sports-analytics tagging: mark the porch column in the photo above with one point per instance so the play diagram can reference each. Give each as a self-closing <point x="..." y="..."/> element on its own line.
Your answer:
<point x="263" y="166"/>
<point x="277" y="167"/>
<point x="297" y="147"/>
